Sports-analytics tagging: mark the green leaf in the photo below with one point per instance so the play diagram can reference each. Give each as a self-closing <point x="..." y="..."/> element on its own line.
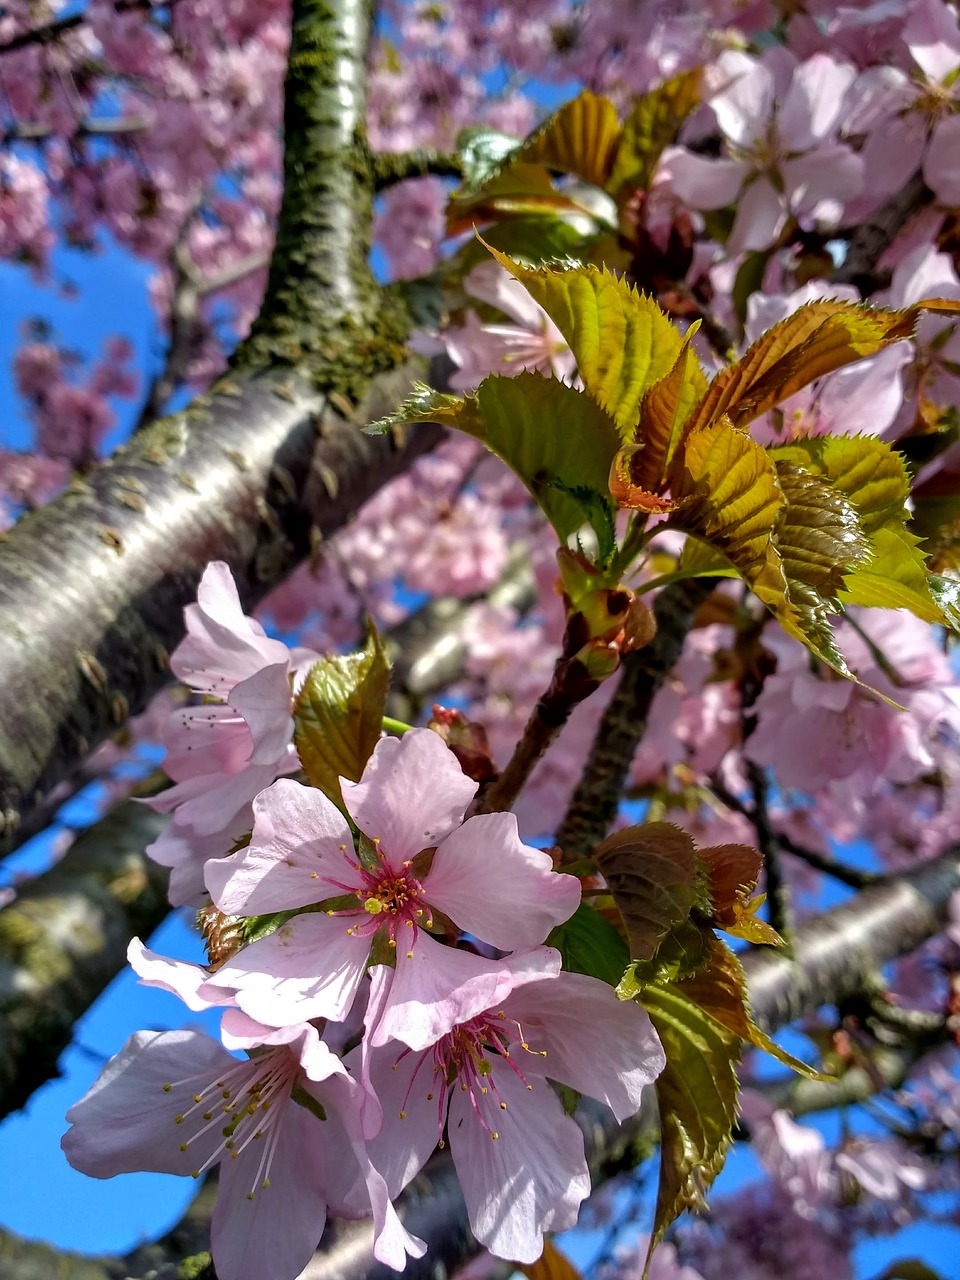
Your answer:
<point x="697" y="1097"/>
<point x="909" y="1269"/>
<point x="816" y="339"/>
<point x="338" y="713"/>
<point x="664" y="410"/>
<point x="734" y="504"/>
<point x="873" y="478"/>
<point x="533" y="240"/>
<point x="652" y="125"/>
<point x="650" y="870"/>
<point x="936" y="522"/>
<point x="590" y="944"/>
<point x="553" y="437"/>
<point x="582" y="138"/>
<point x="622" y="342"/>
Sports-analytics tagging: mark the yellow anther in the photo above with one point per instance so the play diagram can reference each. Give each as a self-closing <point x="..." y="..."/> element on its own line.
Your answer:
<point x="265" y="1183"/>
<point x="403" y="1115"/>
<point x="392" y="942"/>
<point x="198" y="1097"/>
<point x="167" y="1088"/>
<point x="179" y="1119"/>
<point x="184" y="1146"/>
<point x="249" y="1195"/>
<point x="409" y="954"/>
<point x="503" y="1106"/>
<point x="494" y="1135"/>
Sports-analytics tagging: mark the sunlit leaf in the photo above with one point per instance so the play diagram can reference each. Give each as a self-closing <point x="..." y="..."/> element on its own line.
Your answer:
<point x="650" y="870"/>
<point x="664" y="410"/>
<point x="590" y="944"/>
<point x="733" y="871"/>
<point x="582" y="138"/>
<point x="816" y="339"/>
<point x="338" y="715"/>
<point x="735" y="504"/>
<point x="697" y="1097"/>
<point x="651" y="126"/>
<point x="873" y="479"/>
<point x="621" y="340"/>
<point x="554" y="438"/>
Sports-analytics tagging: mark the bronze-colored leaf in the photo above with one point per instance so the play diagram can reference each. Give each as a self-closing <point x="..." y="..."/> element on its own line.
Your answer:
<point x="650" y="870"/>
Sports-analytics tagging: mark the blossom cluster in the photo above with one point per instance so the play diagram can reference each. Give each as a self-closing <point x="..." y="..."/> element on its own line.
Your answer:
<point x="466" y="1015"/>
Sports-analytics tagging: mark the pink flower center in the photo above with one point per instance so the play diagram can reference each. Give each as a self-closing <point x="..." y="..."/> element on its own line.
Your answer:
<point x="388" y="899"/>
<point x="466" y="1056"/>
<point x="246" y="1103"/>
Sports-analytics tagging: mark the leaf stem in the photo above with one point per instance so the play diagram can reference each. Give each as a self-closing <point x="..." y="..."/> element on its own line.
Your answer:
<point x="395" y="726"/>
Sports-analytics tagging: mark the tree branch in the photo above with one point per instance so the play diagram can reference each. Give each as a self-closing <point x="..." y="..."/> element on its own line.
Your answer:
<point x="92" y="587"/>
<point x="64" y="937"/>
<point x="596" y="799"/>
<point x="396" y="166"/>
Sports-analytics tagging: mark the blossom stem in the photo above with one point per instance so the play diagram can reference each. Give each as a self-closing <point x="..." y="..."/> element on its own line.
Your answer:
<point x="395" y="726"/>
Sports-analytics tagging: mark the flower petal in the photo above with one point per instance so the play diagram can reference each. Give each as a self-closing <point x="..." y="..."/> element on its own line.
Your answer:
<point x="310" y="968"/>
<point x="412" y="794"/>
<point x="496" y="887"/>
<point x="529" y="1179"/>
<point x="263" y="700"/>
<point x="601" y="1046"/>
<point x="301" y="852"/>
<point x="127" y="1120"/>
<point x="180" y="977"/>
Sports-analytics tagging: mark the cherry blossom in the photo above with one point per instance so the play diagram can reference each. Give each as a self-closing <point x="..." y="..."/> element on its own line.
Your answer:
<point x="519" y="1158"/>
<point x="421" y="859"/>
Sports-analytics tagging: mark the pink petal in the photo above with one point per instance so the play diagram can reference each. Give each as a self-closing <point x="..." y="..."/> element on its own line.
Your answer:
<point x="700" y="181"/>
<point x="812" y="106"/>
<point x="180" y="977"/>
<point x="528" y="1180"/>
<point x="761" y="216"/>
<point x="404" y="1083"/>
<point x="821" y="182"/>
<point x="435" y="987"/>
<point x="263" y="700"/>
<point x="127" y="1120"/>
<point x="941" y="165"/>
<point x="412" y="794"/>
<point x="601" y="1046"/>
<point x="301" y="852"/>
<point x="275" y="1233"/>
<point x="744" y="107"/>
<point x="496" y="887"/>
<point x="310" y="968"/>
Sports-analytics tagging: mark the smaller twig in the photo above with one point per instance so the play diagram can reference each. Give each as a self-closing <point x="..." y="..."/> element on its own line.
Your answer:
<point x="390" y="167"/>
<point x="93" y="127"/>
<point x="52" y="31"/>
<point x="829" y="865"/>
<point x="778" y="891"/>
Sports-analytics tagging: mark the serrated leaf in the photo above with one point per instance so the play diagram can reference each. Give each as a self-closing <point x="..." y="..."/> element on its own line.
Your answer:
<point x="553" y="437"/>
<point x="735" y="502"/>
<point x="697" y="1097"/>
<point x="816" y="339"/>
<point x="946" y="593"/>
<point x="532" y="240"/>
<point x="338" y="715"/>
<point x="873" y="479"/>
<point x="733" y="871"/>
<point x="651" y="873"/>
<point x="664" y="411"/>
<point x="582" y="138"/>
<point x="551" y="1265"/>
<point x="682" y="953"/>
<point x="590" y="944"/>
<point x="720" y="988"/>
<point x="651" y="126"/>
<point x="621" y="340"/>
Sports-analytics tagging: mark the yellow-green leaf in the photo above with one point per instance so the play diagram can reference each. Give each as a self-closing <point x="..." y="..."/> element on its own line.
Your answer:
<point x="651" y="126"/>
<point x="697" y="1097"/>
<point x="664" y="410"/>
<point x="553" y="437"/>
<point x="650" y="870"/>
<point x="582" y="138"/>
<point x="734" y="504"/>
<point x="622" y="342"/>
<point x="338" y="715"/>
<point x="873" y="478"/>
<point x="816" y="339"/>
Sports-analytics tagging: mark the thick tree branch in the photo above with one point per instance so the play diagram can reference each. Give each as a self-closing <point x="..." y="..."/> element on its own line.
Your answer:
<point x="395" y="166"/>
<point x="64" y="937"/>
<point x="596" y="799"/>
<point x="92" y="587"/>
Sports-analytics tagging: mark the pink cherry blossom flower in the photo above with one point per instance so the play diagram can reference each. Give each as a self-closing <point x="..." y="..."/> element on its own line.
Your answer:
<point x="519" y="1158"/>
<point x="284" y="1126"/>
<point x="223" y="753"/>
<point x="780" y="119"/>
<point x="409" y="805"/>
<point x="794" y="1154"/>
<point x="532" y="342"/>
